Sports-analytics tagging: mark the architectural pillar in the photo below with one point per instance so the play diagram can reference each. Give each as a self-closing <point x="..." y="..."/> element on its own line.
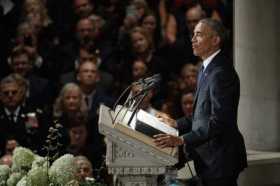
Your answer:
<point x="257" y="61"/>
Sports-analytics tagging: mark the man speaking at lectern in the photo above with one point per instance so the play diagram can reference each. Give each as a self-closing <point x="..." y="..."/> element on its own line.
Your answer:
<point x="214" y="141"/>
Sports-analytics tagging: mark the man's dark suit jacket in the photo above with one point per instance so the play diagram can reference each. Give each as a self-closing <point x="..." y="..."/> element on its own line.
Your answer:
<point x="33" y="138"/>
<point x="215" y="142"/>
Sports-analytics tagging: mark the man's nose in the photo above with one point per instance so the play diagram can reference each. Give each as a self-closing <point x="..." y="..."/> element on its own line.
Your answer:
<point x="193" y="39"/>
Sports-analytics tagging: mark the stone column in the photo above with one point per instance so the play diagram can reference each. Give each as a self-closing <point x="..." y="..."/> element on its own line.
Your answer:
<point x="257" y="60"/>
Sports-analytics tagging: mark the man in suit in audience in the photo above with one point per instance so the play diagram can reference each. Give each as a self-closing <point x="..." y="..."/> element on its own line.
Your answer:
<point x="22" y="63"/>
<point x="19" y="120"/>
<point x="105" y="81"/>
<point x="87" y="77"/>
<point x="214" y="141"/>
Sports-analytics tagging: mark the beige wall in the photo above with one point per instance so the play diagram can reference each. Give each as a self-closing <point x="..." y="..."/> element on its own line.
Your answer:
<point x="257" y="59"/>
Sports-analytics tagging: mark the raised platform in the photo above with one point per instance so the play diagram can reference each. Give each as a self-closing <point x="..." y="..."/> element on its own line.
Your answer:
<point x="263" y="169"/>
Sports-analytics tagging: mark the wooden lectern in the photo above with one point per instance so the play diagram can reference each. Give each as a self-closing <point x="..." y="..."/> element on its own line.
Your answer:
<point x="131" y="156"/>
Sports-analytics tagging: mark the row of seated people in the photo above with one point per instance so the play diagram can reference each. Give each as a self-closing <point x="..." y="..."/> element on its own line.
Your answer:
<point x="29" y="125"/>
<point x="54" y="38"/>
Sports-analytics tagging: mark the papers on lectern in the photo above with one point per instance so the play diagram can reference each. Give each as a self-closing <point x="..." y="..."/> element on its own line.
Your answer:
<point x="144" y="122"/>
<point x="151" y="125"/>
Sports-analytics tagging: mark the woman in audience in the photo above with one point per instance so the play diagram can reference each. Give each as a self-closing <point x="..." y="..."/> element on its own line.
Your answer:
<point x="152" y="25"/>
<point x="35" y="12"/>
<point x="69" y="104"/>
<point x="44" y="37"/>
<point x="81" y="144"/>
<point x="143" y="49"/>
<point x="139" y="70"/>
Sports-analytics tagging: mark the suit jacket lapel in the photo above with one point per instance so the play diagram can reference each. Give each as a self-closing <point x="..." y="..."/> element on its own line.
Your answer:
<point x="215" y="61"/>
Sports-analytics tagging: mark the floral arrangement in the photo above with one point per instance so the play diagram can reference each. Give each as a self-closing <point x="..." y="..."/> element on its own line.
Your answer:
<point x="30" y="169"/>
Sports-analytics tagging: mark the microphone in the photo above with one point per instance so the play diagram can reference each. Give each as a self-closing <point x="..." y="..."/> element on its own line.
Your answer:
<point x="150" y="82"/>
<point x="147" y="84"/>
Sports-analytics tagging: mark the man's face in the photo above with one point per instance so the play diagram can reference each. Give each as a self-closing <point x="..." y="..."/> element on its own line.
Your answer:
<point x="21" y="65"/>
<point x="87" y="74"/>
<point x="10" y="146"/>
<point x="83" y="8"/>
<point x="204" y="41"/>
<point x="85" y="30"/>
<point x="11" y="95"/>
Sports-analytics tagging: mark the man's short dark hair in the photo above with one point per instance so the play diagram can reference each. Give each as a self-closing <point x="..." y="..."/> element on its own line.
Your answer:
<point x="218" y="27"/>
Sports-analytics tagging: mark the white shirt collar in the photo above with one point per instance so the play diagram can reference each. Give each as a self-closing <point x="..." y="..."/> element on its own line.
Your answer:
<point x="207" y="61"/>
<point x="16" y="113"/>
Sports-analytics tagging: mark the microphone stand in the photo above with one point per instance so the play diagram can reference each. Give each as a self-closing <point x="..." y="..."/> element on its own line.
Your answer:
<point x="136" y="108"/>
<point x="118" y="100"/>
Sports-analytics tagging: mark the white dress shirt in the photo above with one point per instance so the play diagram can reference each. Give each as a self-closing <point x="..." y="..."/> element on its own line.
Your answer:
<point x="207" y="61"/>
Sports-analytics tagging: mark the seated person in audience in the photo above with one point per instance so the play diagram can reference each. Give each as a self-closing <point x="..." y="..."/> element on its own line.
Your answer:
<point x="83" y="8"/>
<point x="41" y="42"/>
<point x="92" y="95"/>
<point x="188" y="78"/>
<point x="139" y="70"/>
<point x="187" y="99"/>
<point x="6" y="160"/>
<point x="10" y="146"/>
<point x="86" y="35"/>
<point x="172" y="100"/>
<point x="69" y="104"/>
<point x="146" y="102"/>
<point x="25" y="123"/>
<point x="187" y="104"/>
<point x="142" y="45"/>
<point x="105" y="80"/>
<point x="152" y="25"/>
<point x="81" y="144"/>
<point x="22" y="63"/>
<point x="85" y="169"/>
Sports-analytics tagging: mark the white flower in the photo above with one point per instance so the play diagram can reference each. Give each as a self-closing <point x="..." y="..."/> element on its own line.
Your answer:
<point x="14" y="178"/>
<point x="63" y="170"/>
<point x="38" y="177"/>
<point x="23" y="182"/>
<point x="22" y="158"/>
<point x="4" y="173"/>
<point x="39" y="161"/>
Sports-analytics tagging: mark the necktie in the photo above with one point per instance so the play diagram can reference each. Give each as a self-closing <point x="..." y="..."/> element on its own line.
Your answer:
<point x="87" y="101"/>
<point x="11" y="117"/>
<point x="200" y="75"/>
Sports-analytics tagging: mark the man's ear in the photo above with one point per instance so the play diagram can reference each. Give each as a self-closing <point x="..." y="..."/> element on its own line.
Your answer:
<point x="216" y="40"/>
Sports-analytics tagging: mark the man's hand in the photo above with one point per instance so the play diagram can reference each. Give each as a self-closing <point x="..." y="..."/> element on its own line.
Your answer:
<point x="167" y="140"/>
<point x="165" y="118"/>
